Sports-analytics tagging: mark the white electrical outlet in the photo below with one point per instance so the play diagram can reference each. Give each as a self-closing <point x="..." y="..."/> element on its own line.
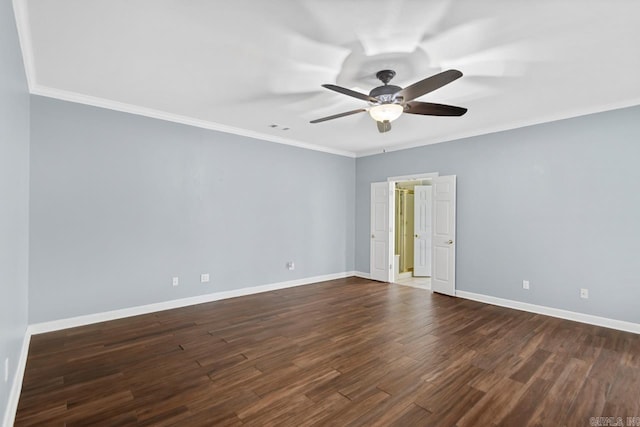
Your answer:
<point x="291" y="265"/>
<point x="6" y="369"/>
<point x="204" y="278"/>
<point x="175" y="281"/>
<point x="584" y="293"/>
<point x="525" y="284"/>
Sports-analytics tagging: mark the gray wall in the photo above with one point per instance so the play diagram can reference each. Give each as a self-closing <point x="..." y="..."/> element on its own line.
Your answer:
<point x="14" y="198"/>
<point x="557" y="204"/>
<point x="121" y="203"/>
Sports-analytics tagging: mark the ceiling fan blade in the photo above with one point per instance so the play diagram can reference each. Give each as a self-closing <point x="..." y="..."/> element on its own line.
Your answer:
<point x="431" y="109"/>
<point x="337" y="116"/>
<point x="350" y="92"/>
<point x="384" y="126"/>
<point x="429" y="84"/>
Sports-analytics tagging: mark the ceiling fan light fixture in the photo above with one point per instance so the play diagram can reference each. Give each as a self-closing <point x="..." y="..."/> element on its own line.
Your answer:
<point x="386" y="112"/>
<point x="388" y="102"/>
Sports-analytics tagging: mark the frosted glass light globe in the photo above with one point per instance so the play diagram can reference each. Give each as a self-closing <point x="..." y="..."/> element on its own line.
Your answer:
<point x="385" y="112"/>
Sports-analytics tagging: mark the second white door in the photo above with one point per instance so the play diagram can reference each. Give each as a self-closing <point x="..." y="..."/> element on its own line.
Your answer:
<point x="443" y="277"/>
<point x="422" y="231"/>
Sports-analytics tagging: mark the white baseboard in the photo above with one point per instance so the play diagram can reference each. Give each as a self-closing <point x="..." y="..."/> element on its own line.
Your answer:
<point x="362" y="274"/>
<point x="553" y="312"/>
<point x="16" y="386"/>
<point x="72" y="322"/>
<point x="620" y="325"/>
<point x="56" y="325"/>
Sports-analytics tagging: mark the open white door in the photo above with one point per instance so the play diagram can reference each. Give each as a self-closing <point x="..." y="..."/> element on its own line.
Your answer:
<point x="422" y="231"/>
<point x="443" y="278"/>
<point x="380" y="203"/>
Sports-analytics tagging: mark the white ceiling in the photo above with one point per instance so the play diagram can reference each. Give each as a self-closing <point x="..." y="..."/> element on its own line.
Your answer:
<point x="241" y="66"/>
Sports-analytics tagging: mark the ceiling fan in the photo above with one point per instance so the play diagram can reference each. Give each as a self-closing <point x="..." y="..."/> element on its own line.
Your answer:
<point x="388" y="102"/>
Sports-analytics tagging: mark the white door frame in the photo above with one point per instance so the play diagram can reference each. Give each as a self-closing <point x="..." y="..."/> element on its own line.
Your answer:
<point x="392" y="215"/>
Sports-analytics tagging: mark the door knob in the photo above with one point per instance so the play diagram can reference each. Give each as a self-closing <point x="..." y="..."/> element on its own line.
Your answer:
<point x="373" y="236"/>
<point x="416" y="236"/>
<point x="450" y="242"/>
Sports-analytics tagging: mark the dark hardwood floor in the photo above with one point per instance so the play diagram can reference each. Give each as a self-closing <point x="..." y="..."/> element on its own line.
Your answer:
<point x="344" y="352"/>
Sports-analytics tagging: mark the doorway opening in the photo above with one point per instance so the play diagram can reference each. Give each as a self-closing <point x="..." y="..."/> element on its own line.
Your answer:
<point x="404" y="225"/>
<point x="412" y="249"/>
<point x="411" y="231"/>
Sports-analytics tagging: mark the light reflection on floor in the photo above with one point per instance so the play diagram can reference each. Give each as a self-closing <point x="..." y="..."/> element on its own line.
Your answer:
<point x="415" y="282"/>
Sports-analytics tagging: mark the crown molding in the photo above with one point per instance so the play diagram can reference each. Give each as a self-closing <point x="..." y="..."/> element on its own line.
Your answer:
<point x="24" y="37"/>
<point x="79" y="98"/>
<point x="506" y="126"/>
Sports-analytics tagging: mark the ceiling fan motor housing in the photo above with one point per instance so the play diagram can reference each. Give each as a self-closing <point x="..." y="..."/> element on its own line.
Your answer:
<point x="385" y="93"/>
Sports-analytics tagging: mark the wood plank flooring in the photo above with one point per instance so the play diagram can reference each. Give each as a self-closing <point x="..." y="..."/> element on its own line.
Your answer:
<point x="344" y="352"/>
